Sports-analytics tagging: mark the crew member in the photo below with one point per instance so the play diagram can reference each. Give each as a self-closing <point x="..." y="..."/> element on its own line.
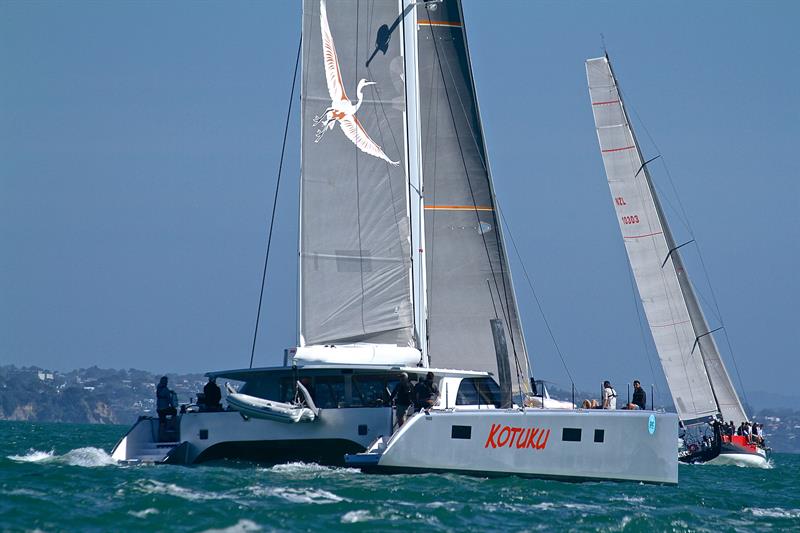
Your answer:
<point x="165" y="403"/>
<point x="403" y="396"/>
<point x="212" y="394"/>
<point x="609" y="396"/>
<point x="426" y="392"/>
<point x="639" y="396"/>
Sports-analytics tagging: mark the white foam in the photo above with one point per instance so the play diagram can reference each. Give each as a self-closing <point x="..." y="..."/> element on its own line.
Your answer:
<point x="33" y="456"/>
<point x="152" y="486"/>
<point x="299" y="467"/>
<point x="351" y="517"/>
<point x="314" y="469"/>
<point x="88" y="457"/>
<point x="774" y="512"/>
<point x="629" y="499"/>
<point x="298" y="495"/>
<point x="242" y="526"/>
<point x="143" y="513"/>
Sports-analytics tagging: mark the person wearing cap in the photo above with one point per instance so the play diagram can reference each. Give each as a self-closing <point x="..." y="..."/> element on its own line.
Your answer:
<point x="403" y="396"/>
<point x="213" y="395"/>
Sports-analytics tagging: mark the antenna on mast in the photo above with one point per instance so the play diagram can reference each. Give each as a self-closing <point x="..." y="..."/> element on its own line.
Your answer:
<point x="603" y="44"/>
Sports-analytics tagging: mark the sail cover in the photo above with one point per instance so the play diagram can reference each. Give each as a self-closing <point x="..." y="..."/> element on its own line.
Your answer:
<point x="468" y="279"/>
<point x="676" y="321"/>
<point x="354" y="230"/>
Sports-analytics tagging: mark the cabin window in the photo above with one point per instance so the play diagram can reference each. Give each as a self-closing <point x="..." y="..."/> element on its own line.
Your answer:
<point x="478" y="391"/>
<point x="369" y="391"/>
<point x="571" y="434"/>
<point x="461" y="432"/>
<point x="599" y="435"/>
<point x="329" y="391"/>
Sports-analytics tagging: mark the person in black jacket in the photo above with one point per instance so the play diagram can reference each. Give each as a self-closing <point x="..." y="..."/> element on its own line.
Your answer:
<point x="426" y="392"/>
<point x="639" y="396"/>
<point x="403" y="397"/>
<point x="212" y="394"/>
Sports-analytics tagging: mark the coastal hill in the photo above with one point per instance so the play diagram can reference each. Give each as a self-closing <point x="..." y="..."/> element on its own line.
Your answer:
<point x="106" y="396"/>
<point x="88" y="395"/>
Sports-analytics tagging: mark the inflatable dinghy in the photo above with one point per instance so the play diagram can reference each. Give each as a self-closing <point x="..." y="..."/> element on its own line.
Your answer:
<point x="290" y="413"/>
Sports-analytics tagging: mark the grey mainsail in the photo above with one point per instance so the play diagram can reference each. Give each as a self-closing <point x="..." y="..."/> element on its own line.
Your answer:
<point x="697" y="378"/>
<point x="468" y="278"/>
<point x="355" y="282"/>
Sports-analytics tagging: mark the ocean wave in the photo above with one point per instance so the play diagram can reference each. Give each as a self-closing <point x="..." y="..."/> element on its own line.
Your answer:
<point x="773" y="512"/>
<point x="88" y="457"/>
<point x="33" y="456"/>
<point x="314" y="469"/>
<point x="298" y="495"/>
<point x="152" y="486"/>
<point x="143" y="513"/>
<point x="242" y="526"/>
<point x="361" y="515"/>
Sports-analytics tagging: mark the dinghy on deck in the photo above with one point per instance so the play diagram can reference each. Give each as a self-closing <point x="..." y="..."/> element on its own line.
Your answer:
<point x="291" y="413"/>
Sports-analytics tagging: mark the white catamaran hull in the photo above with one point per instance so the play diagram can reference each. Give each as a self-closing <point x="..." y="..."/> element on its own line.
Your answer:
<point x="559" y="444"/>
<point x="228" y="435"/>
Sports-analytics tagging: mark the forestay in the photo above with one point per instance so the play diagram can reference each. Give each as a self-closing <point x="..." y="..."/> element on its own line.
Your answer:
<point x="355" y="283"/>
<point x="697" y="378"/>
<point x="468" y="279"/>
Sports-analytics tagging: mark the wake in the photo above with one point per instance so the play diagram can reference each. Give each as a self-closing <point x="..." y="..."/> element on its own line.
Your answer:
<point x="87" y="457"/>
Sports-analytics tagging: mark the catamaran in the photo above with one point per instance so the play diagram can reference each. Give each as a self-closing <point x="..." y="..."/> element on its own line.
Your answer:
<point x="701" y="388"/>
<point x="402" y="270"/>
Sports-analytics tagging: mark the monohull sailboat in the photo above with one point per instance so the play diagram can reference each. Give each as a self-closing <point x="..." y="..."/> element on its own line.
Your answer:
<point x="701" y="388"/>
<point x="402" y="269"/>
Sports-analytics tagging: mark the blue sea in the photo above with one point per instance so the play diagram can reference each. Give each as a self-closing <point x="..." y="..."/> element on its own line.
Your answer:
<point x="60" y="477"/>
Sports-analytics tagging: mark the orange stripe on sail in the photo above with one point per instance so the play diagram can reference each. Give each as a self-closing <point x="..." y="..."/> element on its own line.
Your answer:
<point x="458" y="208"/>
<point x="439" y="23"/>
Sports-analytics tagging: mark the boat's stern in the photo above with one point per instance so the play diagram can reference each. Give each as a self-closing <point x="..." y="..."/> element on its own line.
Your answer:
<point x="142" y="443"/>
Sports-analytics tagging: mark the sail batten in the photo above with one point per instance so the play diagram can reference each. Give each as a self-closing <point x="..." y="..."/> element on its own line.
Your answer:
<point x="697" y="378"/>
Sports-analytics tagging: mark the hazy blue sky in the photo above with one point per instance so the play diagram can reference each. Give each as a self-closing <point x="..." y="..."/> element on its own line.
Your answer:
<point x="139" y="143"/>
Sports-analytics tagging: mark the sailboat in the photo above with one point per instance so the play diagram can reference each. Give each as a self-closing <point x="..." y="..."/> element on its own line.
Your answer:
<point x="701" y="388"/>
<point x="402" y="270"/>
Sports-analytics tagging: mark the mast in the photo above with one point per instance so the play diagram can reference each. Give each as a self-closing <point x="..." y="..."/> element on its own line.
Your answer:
<point x="711" y="372"/>
<point x="415" y="179"/>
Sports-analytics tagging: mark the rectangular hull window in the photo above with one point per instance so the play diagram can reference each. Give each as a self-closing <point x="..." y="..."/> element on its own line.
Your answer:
<point x="461" y="432"/>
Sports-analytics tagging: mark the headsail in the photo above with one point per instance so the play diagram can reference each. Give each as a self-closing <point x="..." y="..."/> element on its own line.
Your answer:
<point x="697" y="378"/>
<point x="355" y="283"/>
<point x="468" y="278"/>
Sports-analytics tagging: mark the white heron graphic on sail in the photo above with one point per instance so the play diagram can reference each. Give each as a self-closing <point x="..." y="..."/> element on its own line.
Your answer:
<point x="342" y="110"/>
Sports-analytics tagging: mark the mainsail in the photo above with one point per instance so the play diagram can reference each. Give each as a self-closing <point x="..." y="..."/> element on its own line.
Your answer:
<point x="355" y="281"/>
<point x="468" y="279"/>
<point x="696" y="375"/>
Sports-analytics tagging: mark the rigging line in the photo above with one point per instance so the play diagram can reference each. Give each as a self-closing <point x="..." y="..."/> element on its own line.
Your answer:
<point x="469" y="183"/>
<point x="275" y="200"/>
<point x="479" y="145"/>
<point x="535" y="296"/>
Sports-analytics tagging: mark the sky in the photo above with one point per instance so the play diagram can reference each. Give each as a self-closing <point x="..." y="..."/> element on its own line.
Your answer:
<point x="140" y="141"/>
